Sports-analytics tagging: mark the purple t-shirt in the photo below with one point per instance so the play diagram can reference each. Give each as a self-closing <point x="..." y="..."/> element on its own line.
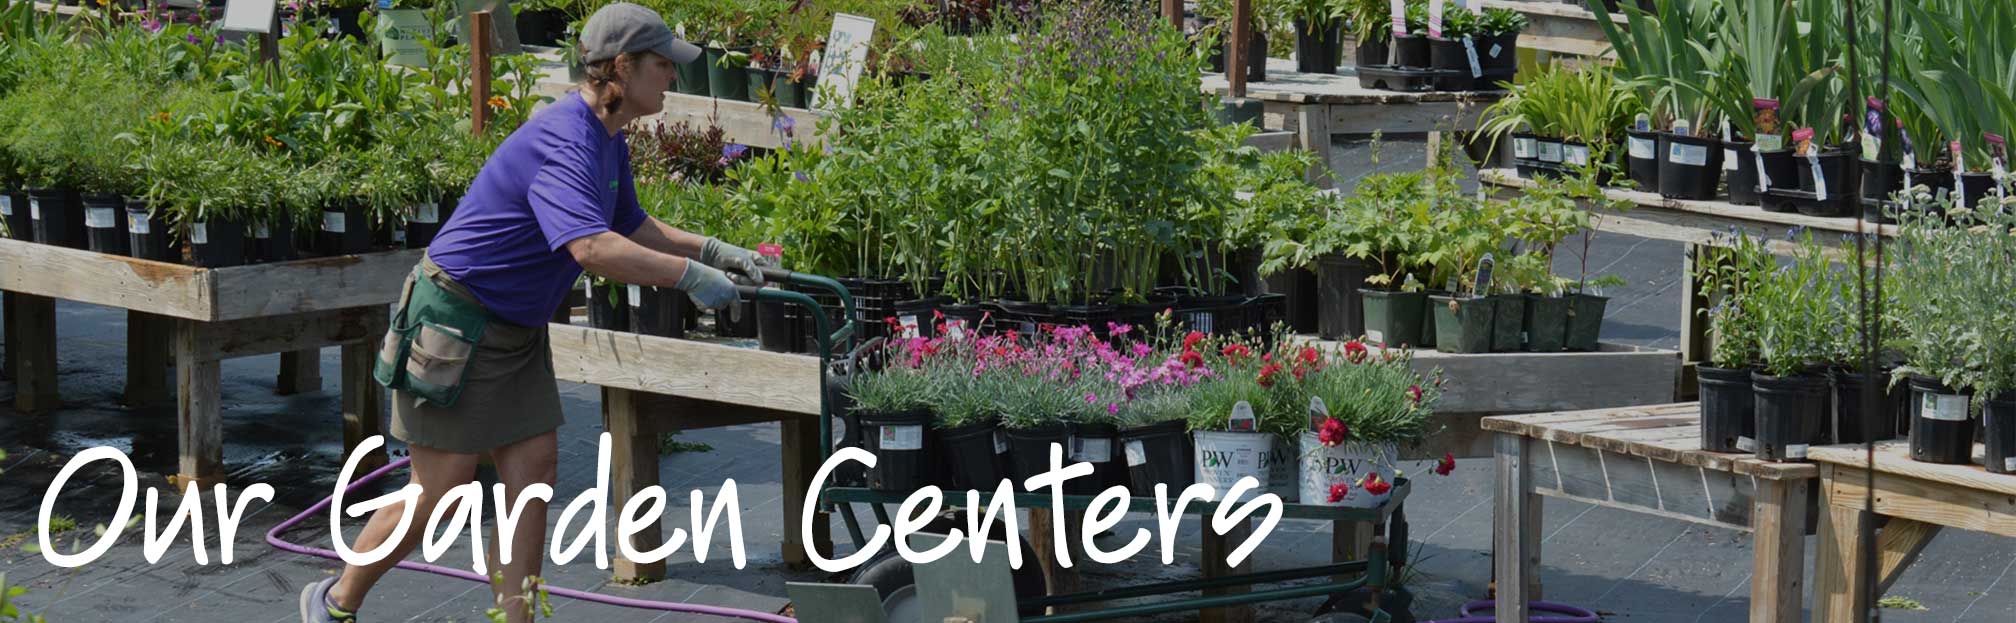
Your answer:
<point x="559" y="177"/>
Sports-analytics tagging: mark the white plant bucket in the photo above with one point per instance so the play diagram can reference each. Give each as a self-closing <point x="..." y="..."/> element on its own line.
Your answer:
<point x="1284" y="470"/>
<point x="1348" y="463"/>
<point x="1223" y="458"/>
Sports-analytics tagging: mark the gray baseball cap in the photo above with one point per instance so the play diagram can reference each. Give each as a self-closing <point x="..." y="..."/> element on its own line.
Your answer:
<point x="621" y="28"/>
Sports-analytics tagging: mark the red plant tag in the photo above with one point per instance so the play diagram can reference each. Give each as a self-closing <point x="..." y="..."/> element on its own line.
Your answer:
<point x="770" y="249"/>
<point x="1802" y="134"/>
<point x="1764" y="103"/>
<point x="1802" y="141"/>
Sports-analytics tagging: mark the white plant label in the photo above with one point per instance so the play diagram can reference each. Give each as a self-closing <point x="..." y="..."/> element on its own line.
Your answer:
<point x="254" y="16"/>
<point x="1959" y="162"/>
<point x="1136" y="454"/>
<point x="100" y="218"/>
<point x="199" y="233"/>
<point x="1819" y="177"/>
<point x="1000" y="442"/>
<point x="1092" y="449"/>
<point x="2009" y="464"/>
<point x="6" y="205"/>
<point x="1523" y="147"/>
<point x="1945" y="408"/>
<point x="1796" y="451"/>
<point x="427" y="213"/>
<point x="138" y="226"/>
<point x="1496" y="49"/>
<point x="1643" y="148"/>
<point x="332" y="222"/>
<point x="1470" y="51"/>
<point x="1688" y="155"/>
<point x="1746" y="444"/>
<point x="1550" y="152"/>
<point x="636" y="296"/>
<point x="34" y="208"/>
<point x="1375" y="335"/>
<point x="1763" y="179"/>
<point x="909" y="437"/>
<point x="1729" y="162"/>
<point x="1435" y="18"/>
<point x="1399" y="12"/>
<point x="1242" y="418"/>
<point x="909" y="325"/>
<point x="1577" y="155"/>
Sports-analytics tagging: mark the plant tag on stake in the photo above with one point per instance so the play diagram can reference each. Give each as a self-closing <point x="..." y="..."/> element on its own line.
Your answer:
<point x="907" y="437"/>
<point x="1136" y="454"/>
<point x="1435" y="18"/>
<point x="1803" y="137"/>
<point x="1998" y="154"/>
<point x="253" y="16"/>
<point x="1242" y="420"/>
<point x="199" y="233"/>
<point x="1872" y="130"/>
<point x="1483" y="276"/>
<point x="1399" y="12"/>
<point x="1470" y="50"/>
<point x="1318" y="412"/>
<point x="1728" y="155"/>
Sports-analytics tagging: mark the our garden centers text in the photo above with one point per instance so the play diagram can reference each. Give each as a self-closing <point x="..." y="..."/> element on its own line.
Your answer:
<point x="461" y="508"/>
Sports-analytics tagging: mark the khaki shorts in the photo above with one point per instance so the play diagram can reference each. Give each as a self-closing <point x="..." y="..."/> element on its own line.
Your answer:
<point x="508" y="393"/>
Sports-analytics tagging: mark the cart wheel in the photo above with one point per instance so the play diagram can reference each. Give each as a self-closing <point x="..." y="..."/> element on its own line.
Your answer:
<point x="1340" y="617"/>
<point x="886" y="573"/>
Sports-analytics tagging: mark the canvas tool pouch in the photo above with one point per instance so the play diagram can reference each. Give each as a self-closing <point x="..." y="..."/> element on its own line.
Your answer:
<point x="434" y="331"/>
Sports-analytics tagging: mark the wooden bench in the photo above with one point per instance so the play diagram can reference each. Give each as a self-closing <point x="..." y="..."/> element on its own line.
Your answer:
<point x="1645" y="460"/>
<point x="1914" y="501"/>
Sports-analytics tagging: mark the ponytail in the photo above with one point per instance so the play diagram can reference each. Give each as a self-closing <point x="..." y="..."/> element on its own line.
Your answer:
<point x="602" y="77"/>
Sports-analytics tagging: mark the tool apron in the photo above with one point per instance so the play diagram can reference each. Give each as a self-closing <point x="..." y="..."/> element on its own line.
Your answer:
<point x="463" y="380"/>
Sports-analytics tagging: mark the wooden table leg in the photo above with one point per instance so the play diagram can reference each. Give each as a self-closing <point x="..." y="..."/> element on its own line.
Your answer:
<point x="199" y="423"/>
<point x="801" y="462"/>
<point x="1516" y="539"/>
<point x="1839" y="589"/>
<point x="300" y="372"/>
<point x="1777" y="581"/>
<point x="1057" y="579"/>
<point x="633" y="455"/>
<point x="1216" y="548"/>
<point x="1693" y="324"/>
<point x="1312" y="127"/>
<point x="12" y="343"/>
<point x="147" y="360"/>
<point x="1349" y="541"/>
<point x="363" y="401"/>
<point x="33" y="347"/>
<point x="1897" y="546"/>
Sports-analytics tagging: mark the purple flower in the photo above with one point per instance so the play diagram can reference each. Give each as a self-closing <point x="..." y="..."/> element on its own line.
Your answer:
<point x="192" y="39"/>
<point x="732" y="151"/>
<point x="1091" y="398"/>
<point x="784" y="124"/>
<point x="801" y="176"/>
<point x="152" y="25"/>
<point x="1112" y="408"/>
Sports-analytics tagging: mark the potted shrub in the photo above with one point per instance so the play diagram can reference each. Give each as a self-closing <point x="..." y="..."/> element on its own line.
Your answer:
<point x="1449" y="54"/>
<point x="1155" y="441"/>
<point x="1939" y="301"/>
<point x="1787" y="305"/>
<point x="1498" y="44"/>
<point x="1361" y="408"/>
<point x="1236" y="417"/>
<point x="1411" y="50"/>
<point x="1848" y="359"/>
<point x="1318" y="35"/>
<point x="1734" y="265"/>
<point x="1370" y="25"/>
<point x="893" y="407"/>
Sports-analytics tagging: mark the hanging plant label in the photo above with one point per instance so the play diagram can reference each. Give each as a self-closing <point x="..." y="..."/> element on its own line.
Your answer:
<point x="34" y="208"/>
<point x="636" y="295"/>
<point x="1688" y="155"/>
<point x="1435" y="18"/>
<point x="1577" y="155"/>
<point x="1318" y="412"/>
<point x="1802" y="141"/>
<point x="1137" y="455"/>
<point x="428" y="212"/>
<point x="6" y="205"/>
<point x="1091" y="449"/>
<point x="1242" y="420"/>
<point x="1470" y="51"/>
<point x="1643" y="148"/>
<point x="1523" y="147"/>
<point x="1959" y="161"/>
<point x="1729" y="161"/>
<point x="1000" y="442"/>
<point x="1796" y="451"/>
<point x="199" y="233"/>
<point x="332" y="222"/>
<point x="1763" y="178"/>
<point x="1550" y="152"/>
<point x="138" y="226"/>
<point x="908" y="437"/>
<point x="1398" y="9"/>
<point x="1819" y="177"/>
<point x="1944" y="408"/>
<point x="100" y="218"/>
<point x="1746" y="444"/>
<point x="1997" y="153"/>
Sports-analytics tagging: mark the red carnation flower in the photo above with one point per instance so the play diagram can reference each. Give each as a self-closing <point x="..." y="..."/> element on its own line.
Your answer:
<point x="1375" y="486"/>
<point x="1446" y="465"/>
<point x="1338" y="491"/>
<point x="1333" y="432"/>
<point x="1233" y="352"/>
<point x="1308" y="355"/>
<point x="1192" y="359"/>
<point x="1415" y="392"/>
<point x="1190" y="341"/>
<point x="1267" y="374"/>
<point x="1355" y="352"/>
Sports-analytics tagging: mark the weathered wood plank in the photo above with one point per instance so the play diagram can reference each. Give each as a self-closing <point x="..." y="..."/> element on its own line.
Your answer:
<point x="1893" y="457"/>
<point x="311" y="285"/>
<point x="1683" y="490"/>
<point x="1284" y="84"/>
<point x="1955" y="505"/>
<point x="1778" y="557"/>
<point x="743" y="376"/>
<point x="1897" y="546"/>
<point x="1616" y="376"/>
<point x="1273" y="141"/>
<point x="800" y="462"/>
<point x="101" y="279"/>
<point x="199" y="423"/>
<point x="633" y="469"/>
<point x="1581" y="471"/>
<point x="1698" y="218"/>
<point x="286" y="334"/>
<point x="363" y="400"/>
<point x="1630" y="479"/>
<point x="1516" y="538"/>
<point x="33" y="347"/>
<point x="300" y="371"/>
<point x="147" y="357"/>
<point x="1732" y="495"/>
<point x="1314" y="135"/>
<point x="679" y="413"/>
<point x="8" y="336"/>
<point x="1839" y="591"/>
<point x="1668" y="432"/>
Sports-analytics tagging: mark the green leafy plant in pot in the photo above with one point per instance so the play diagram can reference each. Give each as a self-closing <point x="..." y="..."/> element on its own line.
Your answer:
<point x="1361" y="408"/>
<point x="893" y="407"/>
<point x="1238" y="417"/>
<point x="1728" y="271"/>
<point x="1791" y="305"/>
<point x="1942" y="277"/>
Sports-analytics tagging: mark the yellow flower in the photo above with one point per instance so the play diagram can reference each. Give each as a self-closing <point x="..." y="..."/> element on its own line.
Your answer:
<point x="275" y="143"/>
<point x="160" y="117"/>
<point x="498" y="102"/>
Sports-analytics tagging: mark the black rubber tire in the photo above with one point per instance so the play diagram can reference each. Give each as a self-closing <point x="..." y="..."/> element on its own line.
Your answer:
<point x="886" y="573"/>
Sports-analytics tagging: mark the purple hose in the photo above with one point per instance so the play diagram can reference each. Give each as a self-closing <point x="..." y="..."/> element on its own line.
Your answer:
<point x="273" y="539"/>
<point x="1575" y="614"/>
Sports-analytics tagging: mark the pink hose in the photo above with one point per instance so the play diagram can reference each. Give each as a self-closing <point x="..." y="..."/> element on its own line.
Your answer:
<point x="273" y="539"/>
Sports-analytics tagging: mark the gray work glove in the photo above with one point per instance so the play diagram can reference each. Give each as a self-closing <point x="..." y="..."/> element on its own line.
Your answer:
<point x="709" y="288"/>
<point x="733" y="259"/>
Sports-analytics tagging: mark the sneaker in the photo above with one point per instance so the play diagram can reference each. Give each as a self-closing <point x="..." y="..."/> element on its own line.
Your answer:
<point x="316" y="607"/>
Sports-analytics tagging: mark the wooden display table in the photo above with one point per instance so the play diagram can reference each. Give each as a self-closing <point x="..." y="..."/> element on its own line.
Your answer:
<point x="1646" y="460"/>
<point x="1914" y="501"/>
<point x="198" y="317"/>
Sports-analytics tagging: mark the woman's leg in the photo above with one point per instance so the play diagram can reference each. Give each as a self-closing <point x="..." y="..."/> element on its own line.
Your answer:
<point x="435" y="471"/>
<point x="519" y="465"/>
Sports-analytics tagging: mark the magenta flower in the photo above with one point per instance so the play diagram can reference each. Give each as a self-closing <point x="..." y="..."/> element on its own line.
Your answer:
<point x="1112" y="408"/>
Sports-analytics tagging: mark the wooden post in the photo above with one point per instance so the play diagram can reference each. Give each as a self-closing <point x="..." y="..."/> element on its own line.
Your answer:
<point x="1516" y="539"/>
<point x="9" y="340"/>
<point x="1778" y="518"/>
<point x="1312" y="127"/>
<point x="1235" y="56"/>
<point x="1057" y="579"/>
<point x="1349" y="541"/>
<point x="633" y="455"/>
<point x="199" y="423"/>
<point x="801" y="462"/>
<point x="1216" y="548"/>
<point x="33" y="347"/>
<point x="363" y="399"/>
<point x="1693" y="324"/>
<point x="479" y="70"/>
<point x="1173" y="9"/>
<point x="300" y="371"/>
<point x="1838" y="576"/>
<point x="147" y="357"/>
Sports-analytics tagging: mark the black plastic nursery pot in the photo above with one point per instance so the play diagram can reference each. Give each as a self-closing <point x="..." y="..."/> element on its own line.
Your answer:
<point x="756" y="80"/>
<point x="1428" y="318"/>
<point x="737" y="320"/>
<point x="1411" y="52"/>
<point x="775" y="329"/>
<point x="902" y="443"/>
<point x="1641" y="156"/>
<point x="1836" y="168"/>
<point x="1880" y="180"/>
<point x="1942" y="427"/>
<point x="1585" y="321"/>
<point x="1939" y="183"/>
<point x="656" y="311"/>
<point x="1499" y="52"/>
<point x="147" y="234"/>
<point x="426" y="220"/>
<point x="1373" y="52"/>
<point x="976" y="456"/>
<point x="726" y="82"/>
<point x="1728" y="409"/>
<point x="1739" y="170"/>
<point x="1849" y="423"/>
<point x="1546" y="323"/>
<point x="1256" y="58"/>
<point x="1790" y="413"/>
<point x="14" y="210"/>
<point x="1998" y="424"/>
<point x="1097" y="444"/>
<point x="794" y="93"/>
<point x="273" y="239"/>
<point x="1690" y="167"/>
<point x="1448" y="55"/>
<point x="58" y="218"/>
<point x="345" y="230"/>
<point x="1338" y="309"/>
<point x="692" y="77"/>
<point x="1975" y="187"/>
<point x="1508" y="322"/>
<point x="606" y="310"/>
<point x="1316" y="48"/>
<point x="1029" y="448"/>
<point x="1463" y="325"/>
<point x="1780" y="172"/>
<point x="105" y="224"/>
<point x="1300" y="298"/>
<point x="1393" y="317"/>
<point x="217" y="243"/>
<point x="1158" y="453"/>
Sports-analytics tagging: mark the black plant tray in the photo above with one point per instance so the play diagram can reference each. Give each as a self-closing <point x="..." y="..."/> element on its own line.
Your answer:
<point x="1392" y="78"/>
<point x="1809" y="204"/>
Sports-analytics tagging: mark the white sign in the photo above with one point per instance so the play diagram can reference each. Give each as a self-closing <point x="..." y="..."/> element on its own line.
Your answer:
<point x="840" y="67"/>
<point x="100" y="218"/>
<point x="138" y="225"/>
<point x="254" y="16"/>
<point x="902" y="438"/>
<point x="332" y="222"/>
<point x="199" y="233"/>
